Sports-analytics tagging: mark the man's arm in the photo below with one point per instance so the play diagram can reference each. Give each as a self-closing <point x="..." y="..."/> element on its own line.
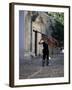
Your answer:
<point x="41" y="42"/>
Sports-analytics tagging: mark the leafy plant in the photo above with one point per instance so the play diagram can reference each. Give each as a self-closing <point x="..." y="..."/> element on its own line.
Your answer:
<point x="58" y="28"/>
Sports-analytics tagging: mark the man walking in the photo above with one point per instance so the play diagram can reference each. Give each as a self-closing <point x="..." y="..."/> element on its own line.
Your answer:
<point x="45" y="51"/>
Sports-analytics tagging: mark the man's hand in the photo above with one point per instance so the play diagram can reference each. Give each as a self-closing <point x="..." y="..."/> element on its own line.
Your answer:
<point x="41" y="41"/>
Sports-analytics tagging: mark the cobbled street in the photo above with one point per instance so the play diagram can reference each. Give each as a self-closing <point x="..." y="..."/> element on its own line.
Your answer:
<point x="32" y="67"/>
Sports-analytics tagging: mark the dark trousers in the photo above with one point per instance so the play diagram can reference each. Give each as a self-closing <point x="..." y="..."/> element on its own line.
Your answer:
<point x="45" y="56"/>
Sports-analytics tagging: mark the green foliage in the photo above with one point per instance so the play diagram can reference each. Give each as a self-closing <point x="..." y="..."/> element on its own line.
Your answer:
<point x="58" y="33"/>
<point x="58" y="28"/>
<point x="57" y="16"/>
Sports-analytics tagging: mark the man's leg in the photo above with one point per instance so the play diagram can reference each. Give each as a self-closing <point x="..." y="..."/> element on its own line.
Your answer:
<point x="43" y="61"/>
<point x="47" y="62"/>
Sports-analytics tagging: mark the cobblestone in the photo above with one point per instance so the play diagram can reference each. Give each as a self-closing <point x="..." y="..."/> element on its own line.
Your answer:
<point x="32" y="67"/>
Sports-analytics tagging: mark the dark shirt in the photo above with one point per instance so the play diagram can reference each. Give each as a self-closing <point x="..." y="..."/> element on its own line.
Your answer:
<point x="45" y="48"/>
